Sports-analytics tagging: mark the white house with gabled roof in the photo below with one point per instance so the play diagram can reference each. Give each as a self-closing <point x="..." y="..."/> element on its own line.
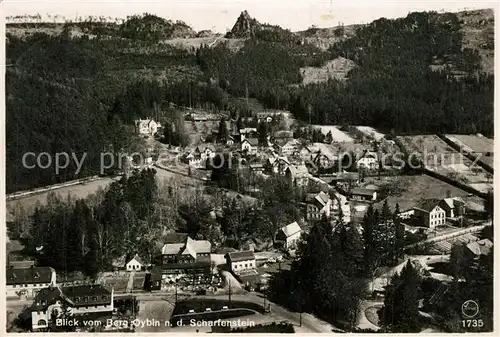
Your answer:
<point x="289" y="235"/>
<point x="135" y="264"/>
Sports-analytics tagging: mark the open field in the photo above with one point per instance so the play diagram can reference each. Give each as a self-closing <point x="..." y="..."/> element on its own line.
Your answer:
<point x="409" y="190"/>
<point x="371" y="132"/>
<point x="76" y="192"/>
<point x="441" y="158"/>
<point x="158" y="310"/>
<point x="473" y="144"/>
<point x="338" y="135"/>
<point x="426" y="145"/>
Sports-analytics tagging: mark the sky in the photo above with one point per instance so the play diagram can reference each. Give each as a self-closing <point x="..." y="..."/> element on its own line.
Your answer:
<point x="220" y="15"/>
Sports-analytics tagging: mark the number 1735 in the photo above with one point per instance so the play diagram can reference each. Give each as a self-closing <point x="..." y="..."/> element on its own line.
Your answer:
<point x="472" y="323"/>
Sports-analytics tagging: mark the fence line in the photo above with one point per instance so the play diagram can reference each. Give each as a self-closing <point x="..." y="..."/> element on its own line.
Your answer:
<point x="449" y="236"/>
<point x="21" y="194"/>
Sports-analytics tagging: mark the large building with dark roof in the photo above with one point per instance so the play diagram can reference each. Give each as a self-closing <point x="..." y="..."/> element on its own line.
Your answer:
<point x="26" y="282"/>
<point x="188" y="257"/>
<point x="430" y="213"/>
<point x="80" y="301"/>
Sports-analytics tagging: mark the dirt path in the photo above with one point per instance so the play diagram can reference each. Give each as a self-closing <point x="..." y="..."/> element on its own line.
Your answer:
<point x="130" y="284"/>
<point x="157" y="311"/>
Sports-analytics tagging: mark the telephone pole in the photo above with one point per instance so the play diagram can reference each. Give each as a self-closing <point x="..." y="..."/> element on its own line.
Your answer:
<point x="175" y="292"/>
<point x="230" y="293"/>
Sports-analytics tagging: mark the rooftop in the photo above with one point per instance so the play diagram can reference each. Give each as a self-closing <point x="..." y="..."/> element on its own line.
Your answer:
<point x="241" y="256"/>
<point x="291" y="229"/>
<point x="362" y="191"/>
<point x="252" y="141"/>
<point x="190" y="246"/>
<point x="30" y="275"/>
<point x="481" y="247"/>
<point x="21" y="264"/>
<point x="85" y="295"/>
<point x="427" y="205"/>
<point x="137" y="258"/>
<point x="298" y="170"/>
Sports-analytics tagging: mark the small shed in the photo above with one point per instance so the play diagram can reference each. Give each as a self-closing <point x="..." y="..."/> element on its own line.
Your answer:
<point x="135" y="264"/>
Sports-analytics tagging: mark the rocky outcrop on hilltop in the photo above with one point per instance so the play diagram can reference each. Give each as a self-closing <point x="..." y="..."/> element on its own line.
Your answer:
<point x="245" y="27"/>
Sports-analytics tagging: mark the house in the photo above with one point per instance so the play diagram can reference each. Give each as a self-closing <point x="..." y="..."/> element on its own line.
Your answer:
<point x="407" y="214"/>
<point x="287" y="147"/>
<point x="147" y="126"/>
<point x="26" y="282"/>
<point x="289" y="235"/>
<point x="277" y="165"/>
<point x="478" y="248"/>
<point x="297" y="174"/>
<point x="249" y="145"/>
<point x="199" y="156"/>
<point x="204" y="151"/>
<point x="80" y="300"/>
<point x="188" y="257"/>
<point x="318" y="205"/>
<point x="230" y="140"/>
<point x="368" y="161"/>
<point x="342" y="177"/>
<point x="135" y="264"/>
<point x="264" y="117"/>
<point x="283" y="135"/>
<point x="372" y="187"/>
<point x="256" y="167"/>
<point x="430" y="212"/>
<point x="453" y="207"/>
<point x="320" y="160"/>
<point x="240" y="261"/>
<point x="247" y="133"/>
<point x="197" y="117"/>
<point x="192" y="160"/>
<point x="364" y="194"/>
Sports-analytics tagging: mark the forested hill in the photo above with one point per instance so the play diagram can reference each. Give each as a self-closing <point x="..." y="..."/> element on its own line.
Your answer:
<point x="78" y="89"/>
<point x="413" y="76"/>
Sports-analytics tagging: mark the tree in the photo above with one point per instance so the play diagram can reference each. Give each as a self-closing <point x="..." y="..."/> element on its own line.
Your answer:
<point x="212" y="232"/>
<point x="370" y="220"/>
<point x="263" y="132"/>
<point x="329" y="137"/>
<point x="323" y="278"/>
<point x="386" y="213"/>
<point x="489" y="204"/>
<point x="458" y="261"/>
<point x="168" y="133"/>
<point x="400" y="234"/>
<point x="239" y="124"/>
<point x="400" y="312"/>
<point x="223" y="132"/>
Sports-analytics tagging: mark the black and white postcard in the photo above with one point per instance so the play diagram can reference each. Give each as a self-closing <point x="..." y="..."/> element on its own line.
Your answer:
<point x="251" y="166"/>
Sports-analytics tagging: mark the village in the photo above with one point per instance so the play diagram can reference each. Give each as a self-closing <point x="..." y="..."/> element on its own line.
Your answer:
<point x="335" y="173"/>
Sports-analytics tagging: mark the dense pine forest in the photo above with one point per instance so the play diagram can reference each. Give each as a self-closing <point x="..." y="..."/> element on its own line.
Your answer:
<point x="80" y="94"/>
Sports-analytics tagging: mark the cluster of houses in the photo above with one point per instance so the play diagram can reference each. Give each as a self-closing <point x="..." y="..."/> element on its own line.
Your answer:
<point x="51" y="299"/>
